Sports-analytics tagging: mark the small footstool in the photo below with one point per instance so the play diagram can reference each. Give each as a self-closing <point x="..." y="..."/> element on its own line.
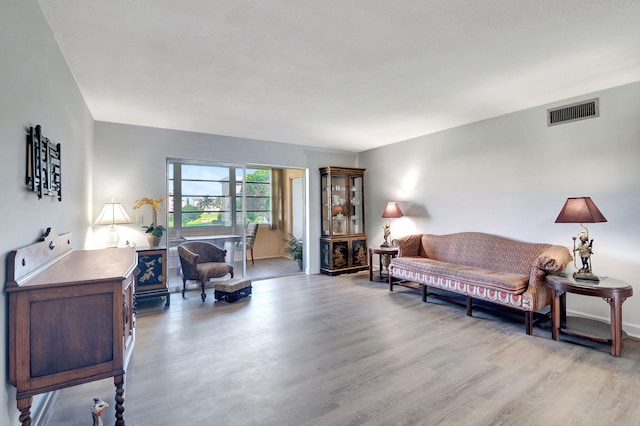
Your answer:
<point x="232" y="290"/>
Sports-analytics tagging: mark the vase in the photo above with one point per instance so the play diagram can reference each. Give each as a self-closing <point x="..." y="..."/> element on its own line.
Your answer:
<point x="154" y="241"/>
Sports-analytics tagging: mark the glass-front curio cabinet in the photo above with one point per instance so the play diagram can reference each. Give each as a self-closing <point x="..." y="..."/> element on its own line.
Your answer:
<point x="343" y="243"/>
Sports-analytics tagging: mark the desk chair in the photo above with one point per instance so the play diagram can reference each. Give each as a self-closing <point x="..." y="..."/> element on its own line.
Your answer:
<point x="252" y="231"/>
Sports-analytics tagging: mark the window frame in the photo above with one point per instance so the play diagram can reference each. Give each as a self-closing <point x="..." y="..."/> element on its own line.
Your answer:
<point x="236" y="178"/>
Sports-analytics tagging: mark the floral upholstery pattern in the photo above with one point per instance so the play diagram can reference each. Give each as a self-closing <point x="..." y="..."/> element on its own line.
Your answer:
<point x="409" y="245"/>
<point x="479" y="265"/>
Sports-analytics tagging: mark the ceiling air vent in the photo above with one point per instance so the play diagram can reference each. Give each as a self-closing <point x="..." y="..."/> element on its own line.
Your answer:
<point x="573" y="112"/>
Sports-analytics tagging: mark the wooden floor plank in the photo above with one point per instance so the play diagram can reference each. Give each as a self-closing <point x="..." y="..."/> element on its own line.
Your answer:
<point x="319" y="350"/>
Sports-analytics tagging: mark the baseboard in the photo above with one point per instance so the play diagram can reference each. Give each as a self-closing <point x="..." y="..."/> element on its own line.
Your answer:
<point x="632" y="330"/>
<point x="41" y="416"/>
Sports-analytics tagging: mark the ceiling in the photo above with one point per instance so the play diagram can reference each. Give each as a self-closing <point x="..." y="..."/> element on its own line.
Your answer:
<point x="340" y="74"/>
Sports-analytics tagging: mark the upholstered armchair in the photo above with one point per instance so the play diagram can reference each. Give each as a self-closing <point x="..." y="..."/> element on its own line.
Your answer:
<point x="202" y="261"/>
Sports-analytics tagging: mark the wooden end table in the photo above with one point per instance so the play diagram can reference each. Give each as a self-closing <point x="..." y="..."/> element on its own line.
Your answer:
<point x="613" y="291"/>
<point x="390" y="252"/>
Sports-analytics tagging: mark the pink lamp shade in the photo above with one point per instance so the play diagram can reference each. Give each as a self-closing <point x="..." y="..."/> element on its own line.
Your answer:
<point x="392" y="210"/>
<point x="580" y="210"/>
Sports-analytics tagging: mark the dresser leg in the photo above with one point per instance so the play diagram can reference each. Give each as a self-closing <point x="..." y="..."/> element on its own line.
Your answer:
<point x="119" y="382"/>
<point x="24" y="406"/>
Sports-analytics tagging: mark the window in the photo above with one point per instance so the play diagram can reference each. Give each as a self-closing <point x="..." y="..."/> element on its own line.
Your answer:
<point x="258" y="195"/>
<point x="210" y="195"/>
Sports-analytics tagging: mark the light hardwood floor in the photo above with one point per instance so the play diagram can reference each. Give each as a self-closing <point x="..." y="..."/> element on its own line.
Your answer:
<point x="262" y="269"/>
<point x="319" y="350"/>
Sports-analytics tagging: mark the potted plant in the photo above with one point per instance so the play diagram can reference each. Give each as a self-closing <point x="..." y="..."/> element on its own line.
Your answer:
<point x="154" y="231"/>
<point x="294" y="249"/>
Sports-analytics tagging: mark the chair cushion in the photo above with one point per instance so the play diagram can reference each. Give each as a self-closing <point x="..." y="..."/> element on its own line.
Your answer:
<point x="213" y="270"/>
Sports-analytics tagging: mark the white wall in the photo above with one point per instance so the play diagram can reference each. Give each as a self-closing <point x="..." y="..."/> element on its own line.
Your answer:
<point x="511" y="176"/>
<point x="129" y="163"/>
<point x="37" y="88"/>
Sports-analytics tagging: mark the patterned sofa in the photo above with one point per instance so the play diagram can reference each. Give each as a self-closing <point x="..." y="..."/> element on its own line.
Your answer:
<point x="480" y="266"/>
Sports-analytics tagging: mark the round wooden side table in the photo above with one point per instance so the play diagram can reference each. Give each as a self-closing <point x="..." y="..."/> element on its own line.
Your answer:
<point x="613" y="291"/>
<point x="388" y="252"/>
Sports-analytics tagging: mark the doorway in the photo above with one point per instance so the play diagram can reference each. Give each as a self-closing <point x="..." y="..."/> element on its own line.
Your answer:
<point x="214" y="202"/>
<point x="297" y="207"/>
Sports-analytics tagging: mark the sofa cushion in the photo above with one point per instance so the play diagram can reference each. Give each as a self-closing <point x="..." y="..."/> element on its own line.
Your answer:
<point x="485" y="251"/>
<point x="505" y="281"/>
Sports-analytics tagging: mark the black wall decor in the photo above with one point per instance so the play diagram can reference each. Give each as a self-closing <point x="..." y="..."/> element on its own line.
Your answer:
<point x="44" y="164"/>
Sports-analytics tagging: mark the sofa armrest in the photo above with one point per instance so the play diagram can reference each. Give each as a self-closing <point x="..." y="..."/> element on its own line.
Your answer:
<point x="554" y="259"/>
<point x="408" y="245"/>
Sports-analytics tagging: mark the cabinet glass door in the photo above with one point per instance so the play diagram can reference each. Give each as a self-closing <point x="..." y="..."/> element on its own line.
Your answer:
<point x="356" y="207"/>
<point x="326" y="205"/>
<point x="339" y="204"/>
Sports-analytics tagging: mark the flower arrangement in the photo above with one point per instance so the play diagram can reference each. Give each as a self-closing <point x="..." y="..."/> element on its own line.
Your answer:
<point x="155" y="203"/>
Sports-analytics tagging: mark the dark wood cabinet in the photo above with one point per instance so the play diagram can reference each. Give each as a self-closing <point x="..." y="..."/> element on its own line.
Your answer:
<point x="343" y="244"/>
<point x="151" y="275"/>
<point x="71" y="318"/>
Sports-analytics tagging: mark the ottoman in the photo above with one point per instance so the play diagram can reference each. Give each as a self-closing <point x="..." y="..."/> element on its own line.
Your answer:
<point x="232" y="290"/>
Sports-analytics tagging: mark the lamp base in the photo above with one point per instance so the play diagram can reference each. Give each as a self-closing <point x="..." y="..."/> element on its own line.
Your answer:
<point x="112" y="237"/>
<point x="588" y="276"/>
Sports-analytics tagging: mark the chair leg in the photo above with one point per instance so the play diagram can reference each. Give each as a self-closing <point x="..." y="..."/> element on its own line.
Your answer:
<point x="184" y="287"/>
<point x="203" y="295"/>
<point x="252" y="257"/>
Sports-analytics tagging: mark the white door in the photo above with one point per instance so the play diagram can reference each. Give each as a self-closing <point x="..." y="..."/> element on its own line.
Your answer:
<point x="297" y="207"/>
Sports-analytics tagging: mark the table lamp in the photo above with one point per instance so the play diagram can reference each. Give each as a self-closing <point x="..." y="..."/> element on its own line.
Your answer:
<point x="582" y="210"/>
<point x="113" y="214"/>
<point x="392" y="210"/>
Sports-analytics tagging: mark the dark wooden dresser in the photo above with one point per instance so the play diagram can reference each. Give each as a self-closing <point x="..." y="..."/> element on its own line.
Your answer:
<point x="71" y="318"/>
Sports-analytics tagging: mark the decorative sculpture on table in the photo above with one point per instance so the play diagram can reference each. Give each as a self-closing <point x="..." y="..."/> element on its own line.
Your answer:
<point x="386" y="229"/>
<point x="96" y="411"/>
<point x="584" y="250"/>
